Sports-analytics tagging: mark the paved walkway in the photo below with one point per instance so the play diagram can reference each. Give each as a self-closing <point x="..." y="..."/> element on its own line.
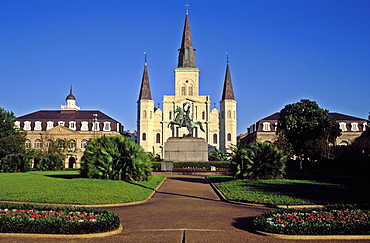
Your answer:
<point x="185" y="209"/>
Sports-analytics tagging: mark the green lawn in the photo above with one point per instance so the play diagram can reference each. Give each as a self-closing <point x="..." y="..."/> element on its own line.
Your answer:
<point x="66" y="187"/>
<point x="297" y="189"/>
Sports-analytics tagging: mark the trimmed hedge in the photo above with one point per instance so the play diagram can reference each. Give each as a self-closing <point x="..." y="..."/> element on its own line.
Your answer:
<point x="329" y="220"/>
<point x="206" y="165"/>
<point x="195" y="166"/>
<point x="27" y="218"/>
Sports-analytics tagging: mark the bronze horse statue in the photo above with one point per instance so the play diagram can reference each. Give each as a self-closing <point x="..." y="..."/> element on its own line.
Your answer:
<point x="182" y="119"/>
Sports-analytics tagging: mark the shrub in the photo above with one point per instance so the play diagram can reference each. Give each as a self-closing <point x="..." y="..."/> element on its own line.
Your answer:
<point x="259" y="161"/>
<point x="330" y="220"/>
<point x="115" y="158"/>
<point x="25" y="218"/>
<point x="15" y="163"/>
<point x="49" y="162"/>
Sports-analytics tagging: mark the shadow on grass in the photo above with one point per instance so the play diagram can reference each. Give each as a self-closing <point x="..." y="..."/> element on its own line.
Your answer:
<point x="314" y="193"/>
<point x="63" y="176"/>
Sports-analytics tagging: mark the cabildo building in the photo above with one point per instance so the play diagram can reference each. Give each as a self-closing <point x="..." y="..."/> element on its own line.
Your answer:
<point x="69" y="123"/>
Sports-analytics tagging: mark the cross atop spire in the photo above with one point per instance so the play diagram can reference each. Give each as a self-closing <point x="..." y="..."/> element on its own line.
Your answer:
<point x="145" y="93"/>
<point x="145" y="63"/>
<point x="187" y="8"/>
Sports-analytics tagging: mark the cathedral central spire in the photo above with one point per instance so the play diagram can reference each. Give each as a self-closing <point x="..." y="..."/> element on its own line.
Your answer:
<point x="186" y="51"/>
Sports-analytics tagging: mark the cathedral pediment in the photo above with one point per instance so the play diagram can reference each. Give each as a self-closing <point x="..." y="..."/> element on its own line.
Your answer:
<point x="61" y="130"/>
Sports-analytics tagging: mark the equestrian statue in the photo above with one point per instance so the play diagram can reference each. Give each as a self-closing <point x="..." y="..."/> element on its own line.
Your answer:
<point x="183" y="119"/>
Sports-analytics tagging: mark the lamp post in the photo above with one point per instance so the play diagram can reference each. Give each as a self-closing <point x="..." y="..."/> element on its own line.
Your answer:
<point x="95" y="120"/>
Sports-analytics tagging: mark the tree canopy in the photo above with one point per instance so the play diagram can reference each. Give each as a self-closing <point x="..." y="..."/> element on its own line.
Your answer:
<point x="309" y="129"/>
<point x="11" y="139"/>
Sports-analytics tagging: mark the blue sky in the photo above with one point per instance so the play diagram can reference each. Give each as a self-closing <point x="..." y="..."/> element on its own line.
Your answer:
<point x="279" y="52"/>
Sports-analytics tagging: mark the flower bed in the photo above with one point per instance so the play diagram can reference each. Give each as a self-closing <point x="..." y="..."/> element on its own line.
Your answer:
<point x="330" y="220"/>
<point x="25" y="218"/>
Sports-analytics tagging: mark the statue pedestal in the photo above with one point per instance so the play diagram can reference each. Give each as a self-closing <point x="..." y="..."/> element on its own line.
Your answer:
<point x="186" y="149"/>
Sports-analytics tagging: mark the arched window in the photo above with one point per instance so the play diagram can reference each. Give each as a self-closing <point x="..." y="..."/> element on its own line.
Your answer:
<point x="158" y="138"/>
<point x="83" y="145"/>
<point x="37" y="144"/>
<point x="72" y="146"/>
<point x="144" y="114"/>
<point x="190" y="91"/>
<point x="170" y="115"/>
<point x="228" y="114"/>
<point x="144" y="136"/>
<point x="151" y="114"/>
<point x="215" y="138"/>
<point x="343" y="143"/>
<point x="27" y="144"/>
<point x="49" y="144"/>
<point x="183" y="91"/>
<point x="203" y="115"/>
<point x="229" y="137"/>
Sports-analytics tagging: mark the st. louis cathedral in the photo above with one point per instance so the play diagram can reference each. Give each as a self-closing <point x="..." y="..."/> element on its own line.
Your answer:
<point x="219" y="126"/>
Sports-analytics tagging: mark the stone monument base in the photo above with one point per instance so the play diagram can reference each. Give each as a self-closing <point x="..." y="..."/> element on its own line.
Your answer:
<point x="186" y="149"/>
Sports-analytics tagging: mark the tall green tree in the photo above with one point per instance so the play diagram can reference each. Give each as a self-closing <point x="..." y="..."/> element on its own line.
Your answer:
<point x="12" y="140"/>
<point x="309" y="129"/>
<point x="115" y="158"/>
<point x="258" y="161"/>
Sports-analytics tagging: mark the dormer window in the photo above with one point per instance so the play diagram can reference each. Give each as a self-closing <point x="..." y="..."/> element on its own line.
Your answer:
<point x="61" y="123"/>
<point x="266" y="127"/>
<point x="84" y="126"/>
<point x="37" y="126"/>
<point x="27" y="126"/>
<point x="49" y="125"/>
<point x="95" y="126"/>
<point x="343" y="126"/>
<point x="106" y="126"/>
<point x="17" y="124"/>
<point x="354" y="127"/>
<point x="72" y="125"/>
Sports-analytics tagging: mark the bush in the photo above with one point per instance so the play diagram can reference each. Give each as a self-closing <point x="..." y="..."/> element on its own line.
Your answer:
<point x="115" y="158"/>
<point x="49" y="162"/>
<point x="330" y="220"/>
<point x="25" y="218"/>
<point x="259" y="161"/>
<point x="15" y="163"/>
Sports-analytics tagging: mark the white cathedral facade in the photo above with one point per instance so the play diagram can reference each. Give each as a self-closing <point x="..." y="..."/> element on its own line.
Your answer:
<point x="219" y="125"/>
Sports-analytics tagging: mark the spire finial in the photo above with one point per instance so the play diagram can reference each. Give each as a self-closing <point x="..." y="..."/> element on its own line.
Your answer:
<point x="187" y="8"/>
<point x="145" y="63"/>
<point x="227" y="57"/>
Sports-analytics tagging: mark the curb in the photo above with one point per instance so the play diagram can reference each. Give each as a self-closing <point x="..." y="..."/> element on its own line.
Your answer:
<point x="315" y="237"/>
<point x="65" y="236"/>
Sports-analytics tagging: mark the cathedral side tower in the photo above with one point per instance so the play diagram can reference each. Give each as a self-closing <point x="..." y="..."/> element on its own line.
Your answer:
<point x="145" y="116"/>
<point x="227" y="113"/>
